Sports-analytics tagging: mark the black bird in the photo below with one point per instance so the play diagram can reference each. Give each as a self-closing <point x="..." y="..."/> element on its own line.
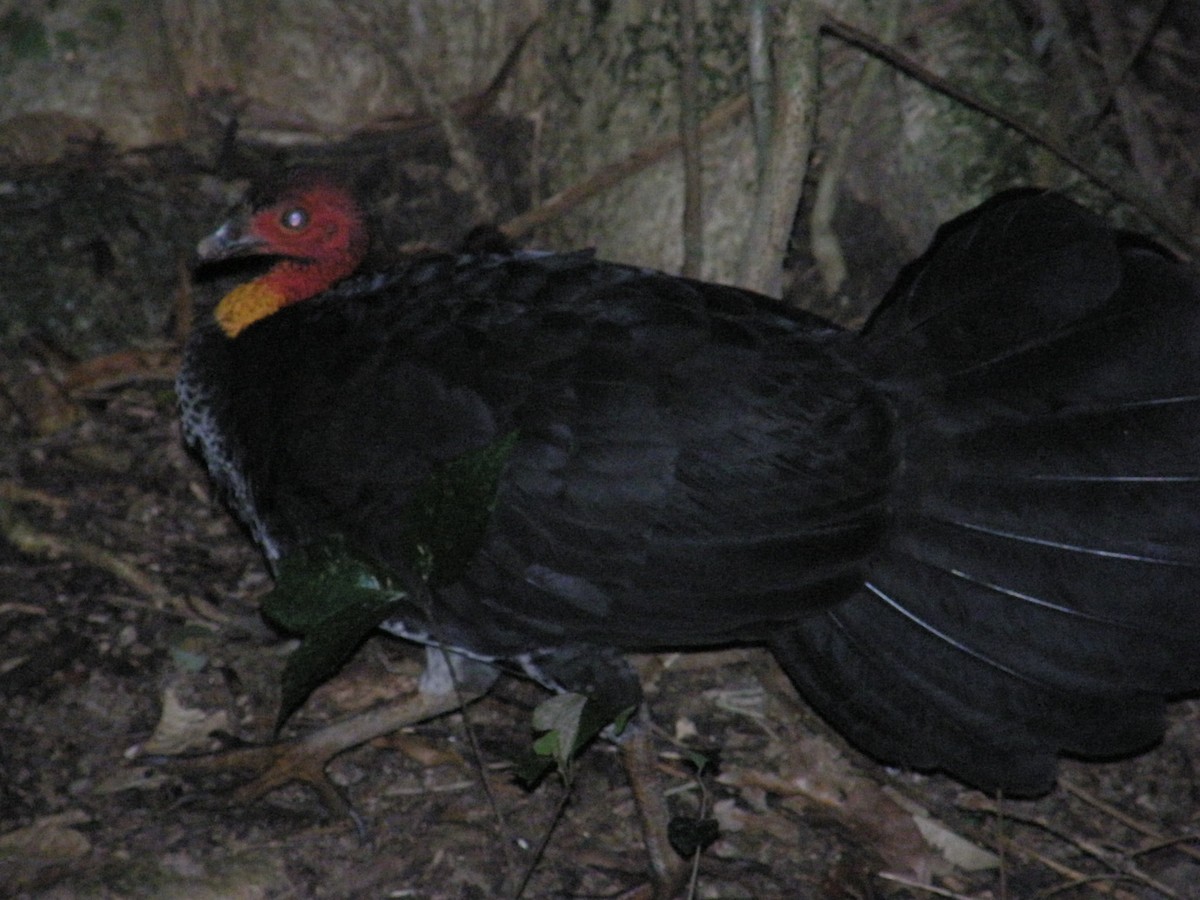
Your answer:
<point x="970" y="533"/>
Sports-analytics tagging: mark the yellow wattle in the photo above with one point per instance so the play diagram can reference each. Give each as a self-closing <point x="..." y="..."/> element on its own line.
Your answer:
<point x="247" y="303"/>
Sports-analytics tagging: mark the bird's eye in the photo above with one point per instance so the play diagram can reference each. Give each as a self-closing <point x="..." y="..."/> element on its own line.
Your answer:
<point x="294" y="219"/>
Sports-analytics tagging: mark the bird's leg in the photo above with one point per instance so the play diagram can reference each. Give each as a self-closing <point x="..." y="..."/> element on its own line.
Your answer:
<point x="606" y="678"/>
<point x="304" y="758"/>
<point x="637" y="757"/>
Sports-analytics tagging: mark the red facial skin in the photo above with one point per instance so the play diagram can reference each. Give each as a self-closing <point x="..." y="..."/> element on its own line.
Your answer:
<point x="317" y="230"/>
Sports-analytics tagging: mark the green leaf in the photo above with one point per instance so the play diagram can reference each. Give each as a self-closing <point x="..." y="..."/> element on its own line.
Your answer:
<point x="703" y="762"/>
<point x="622" y="719"/>
<point x="333" y="599"/>
<point x="560" y="718"/>
<point x="569" y="721"/>
<point x="447" y="517"/>
<point x="322" y="578"/>
<point x="548" y="746"/>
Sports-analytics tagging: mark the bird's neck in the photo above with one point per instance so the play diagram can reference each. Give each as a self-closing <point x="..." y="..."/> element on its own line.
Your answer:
<point x="288" y="281"/>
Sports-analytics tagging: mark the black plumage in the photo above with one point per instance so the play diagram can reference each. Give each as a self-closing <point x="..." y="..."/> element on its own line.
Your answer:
<point x="968" y="533"/>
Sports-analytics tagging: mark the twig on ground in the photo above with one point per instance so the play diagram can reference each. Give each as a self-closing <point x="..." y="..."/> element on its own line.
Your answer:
<point x="29" y="540"/>
<point x="18" y="493"/>
<point x="1120" y="865"/>
<point x="1129" y="821"/>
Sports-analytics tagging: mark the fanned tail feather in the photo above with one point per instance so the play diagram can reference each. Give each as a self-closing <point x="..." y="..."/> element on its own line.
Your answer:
<point x="1040" y="591"/>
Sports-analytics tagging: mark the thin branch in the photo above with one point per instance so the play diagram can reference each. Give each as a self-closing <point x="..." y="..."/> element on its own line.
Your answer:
<point x="1131" y="190"/>
<point x="470" y="107"/>
<point x="1145" y="39"/>
<point x="448" y="120"/>
<point x="1127" y="820"/>
<point x="1114" y="60"/>
<point x="794" y="52"/>
<point x="1066" y="66"/>
<point x="16" y="493"/>
<point x="759" y="53"/>
<point x="464" y="696"/>
<point x="540" y="851"/>
<point x="462" y="148"/>
<point x="27" y="539"/>
<point x="1121" y="865"/>
<point x="826" y="249"/>
<point x="689" y="134"/>
<point x="613" y="174"/>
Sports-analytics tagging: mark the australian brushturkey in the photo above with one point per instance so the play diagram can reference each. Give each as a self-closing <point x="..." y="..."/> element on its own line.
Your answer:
<point x="970" y="532"/>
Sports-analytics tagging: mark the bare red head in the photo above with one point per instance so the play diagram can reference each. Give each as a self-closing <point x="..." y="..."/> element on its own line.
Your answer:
<point x="314" y="225"/>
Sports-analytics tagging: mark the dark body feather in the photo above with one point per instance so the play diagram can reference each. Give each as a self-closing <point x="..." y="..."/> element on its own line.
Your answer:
<point x="970" y="534"/>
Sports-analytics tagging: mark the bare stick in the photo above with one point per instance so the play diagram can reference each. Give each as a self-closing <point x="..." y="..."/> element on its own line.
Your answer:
<point x="826" y="249"/>
<point x="689" y="134"/>
<point x="792" y="120"/>
<point x="29" y="540"/>
<point x="613" y="174"/>
<point x="1131" y="190"/>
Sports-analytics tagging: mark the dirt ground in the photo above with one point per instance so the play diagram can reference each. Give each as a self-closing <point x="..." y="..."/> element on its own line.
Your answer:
<point x="128" y="628"/>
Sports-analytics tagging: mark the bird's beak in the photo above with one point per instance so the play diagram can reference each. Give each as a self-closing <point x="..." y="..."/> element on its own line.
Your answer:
<point x="230" y="240"/>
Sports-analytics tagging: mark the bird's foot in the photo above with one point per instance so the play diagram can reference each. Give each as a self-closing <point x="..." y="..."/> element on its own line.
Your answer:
<point x="303" y="759"/>
<point x="668" y="870"/>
